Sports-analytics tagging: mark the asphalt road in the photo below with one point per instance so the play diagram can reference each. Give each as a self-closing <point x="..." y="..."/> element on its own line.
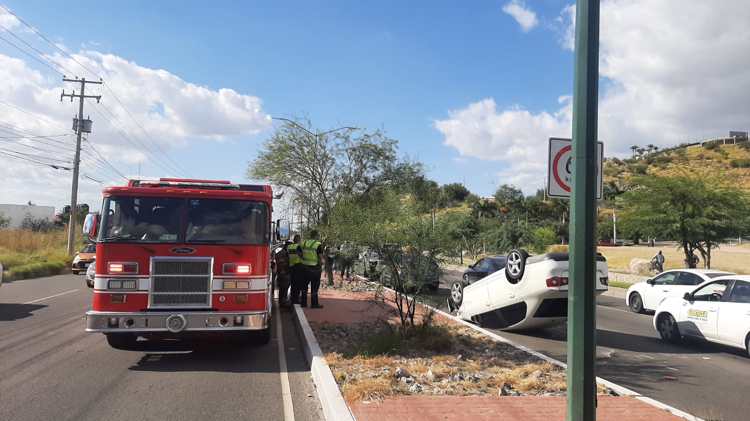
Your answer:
<point x="50" y="369"/>
<point x="707" y="380"/>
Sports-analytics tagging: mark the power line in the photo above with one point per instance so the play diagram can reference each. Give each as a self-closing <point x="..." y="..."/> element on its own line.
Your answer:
<point x="96" y="151"/>
<point x="31" y="113"/>
<point x="136" y="142"/>
<point x="57" y="167"/>
<point x="36" y="156"/>
<point x="31" y="55"/>
<point x="40" y="53"/>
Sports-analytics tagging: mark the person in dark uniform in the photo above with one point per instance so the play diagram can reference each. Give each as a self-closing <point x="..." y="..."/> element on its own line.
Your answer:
<point x="282" y="273"/>
<point x="295" y="269"/>
<point x="311" y="253"/>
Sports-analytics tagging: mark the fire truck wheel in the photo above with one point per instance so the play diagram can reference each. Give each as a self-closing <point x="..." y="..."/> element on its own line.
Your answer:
<point x="124" y="341"/>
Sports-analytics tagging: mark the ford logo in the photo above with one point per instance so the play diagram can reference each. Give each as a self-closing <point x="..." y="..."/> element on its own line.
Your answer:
<point x="183" y="250"/>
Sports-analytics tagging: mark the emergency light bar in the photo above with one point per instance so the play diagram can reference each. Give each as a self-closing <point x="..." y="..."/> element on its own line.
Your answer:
<point x="180" y="182"/>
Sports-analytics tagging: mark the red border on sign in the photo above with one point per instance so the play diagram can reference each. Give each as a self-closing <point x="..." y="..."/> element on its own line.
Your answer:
<point x="554" y="168"/>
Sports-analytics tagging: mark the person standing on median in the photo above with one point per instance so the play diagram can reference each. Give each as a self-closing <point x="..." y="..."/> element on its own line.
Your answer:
<point x="295" y="269"/>
<point x="311" y="253"/>
<point x="283" y="275"/>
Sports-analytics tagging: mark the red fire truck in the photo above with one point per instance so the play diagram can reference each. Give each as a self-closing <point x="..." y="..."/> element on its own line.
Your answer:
<point x="177" y="257"/>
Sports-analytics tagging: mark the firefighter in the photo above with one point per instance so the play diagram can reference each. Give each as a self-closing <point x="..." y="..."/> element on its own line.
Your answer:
<point x="312" y="257"/>
<point x="295" y="269"/>
<point x="282" y="272"/>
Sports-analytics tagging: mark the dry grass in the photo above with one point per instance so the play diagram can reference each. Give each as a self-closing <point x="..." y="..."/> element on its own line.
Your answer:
<point x="25" y="253"/>
<point x="471" y="364"/>
<point x="729" y="258"/>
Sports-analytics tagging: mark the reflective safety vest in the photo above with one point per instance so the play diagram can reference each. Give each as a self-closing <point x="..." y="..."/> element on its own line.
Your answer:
<point x="310" y="253"/>
<point x="294" y="258"/>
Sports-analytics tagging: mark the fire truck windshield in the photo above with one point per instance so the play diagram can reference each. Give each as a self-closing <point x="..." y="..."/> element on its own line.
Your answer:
<point x="174" y="220"/>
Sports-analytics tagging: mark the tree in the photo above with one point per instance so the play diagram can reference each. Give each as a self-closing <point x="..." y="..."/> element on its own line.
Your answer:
<point x="81" y="212"/>
<point x="461" y="232"/>
<point x="543" y="237"/>
<point x="321" y="168"/>
<point x="401" y="235"/>
<point x="696" y="211"/>
<point x="4" y="222"/>
<point x="509" y="199"/>
<point x="455" y="192"/>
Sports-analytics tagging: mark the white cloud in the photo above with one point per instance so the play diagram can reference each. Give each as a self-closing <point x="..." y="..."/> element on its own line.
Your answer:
<point x="174" y="112"/>
<point x="525" y="17"/>
<point x="671" y="72"/>
<point x="7" y="20"/>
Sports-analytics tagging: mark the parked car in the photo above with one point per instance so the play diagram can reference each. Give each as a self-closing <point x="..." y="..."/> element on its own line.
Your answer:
<point x="91" y="274"/>
<point x="483" y="267"/>
<point x="84" y="258"/>
<point x="646" y="296"/>
<point x="717" y="311"/>
<point x="531" y="292"/>
<point x="416" y="273"/>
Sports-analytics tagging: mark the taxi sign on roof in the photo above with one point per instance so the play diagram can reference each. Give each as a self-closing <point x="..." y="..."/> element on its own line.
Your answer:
<point x="560" y="168"/>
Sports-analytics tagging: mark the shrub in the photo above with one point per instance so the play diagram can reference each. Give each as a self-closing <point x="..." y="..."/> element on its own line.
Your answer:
<point x="557" y="248"/>
<point x="36" y="270"/>
<point x="712" y="146"/>
<point x="639" y="169"/>
<point x="37" y="224"/>
<point x="740" y="163"/>
<point x="542" y="237"/>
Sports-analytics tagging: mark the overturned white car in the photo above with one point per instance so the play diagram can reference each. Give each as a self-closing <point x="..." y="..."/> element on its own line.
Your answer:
<point x="532" y="292"/>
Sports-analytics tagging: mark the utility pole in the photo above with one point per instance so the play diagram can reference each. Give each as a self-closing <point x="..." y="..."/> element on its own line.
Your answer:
<point x="79" y="125"/>
<point x="583" y="276"/>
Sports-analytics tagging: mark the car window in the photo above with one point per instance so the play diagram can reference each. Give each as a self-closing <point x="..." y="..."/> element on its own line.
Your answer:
<point x="89" y="248"/>
<point x="497" y="264"/>
<point x="687" y="278"/>
<point x="711" y="292"/>
<point x="669" y="278"/>
<point x="484" y="266"/>
<point x="740" y="292"/>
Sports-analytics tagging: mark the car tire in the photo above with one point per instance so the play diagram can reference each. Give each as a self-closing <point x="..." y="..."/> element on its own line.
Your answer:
<point x="76" y="271"/>
<point x="516" y="265"/>
<point x="747" y="345"/>
<point x="123" y="341"/>
<point x="635" y="303"/>
<point x="89" y="283"/>
<point x="457" y="294"/>
<point x="668" y="330"/>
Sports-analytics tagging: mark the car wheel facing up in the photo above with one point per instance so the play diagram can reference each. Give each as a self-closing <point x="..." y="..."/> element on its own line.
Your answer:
<point x="457" y="293"/>
<point x="516" y="265"/>
<point x="668" y="329"/>
<point x="636" y="303"/>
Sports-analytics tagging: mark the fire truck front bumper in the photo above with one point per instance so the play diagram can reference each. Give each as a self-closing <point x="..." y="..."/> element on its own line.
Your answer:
<point x="175" y="322"/>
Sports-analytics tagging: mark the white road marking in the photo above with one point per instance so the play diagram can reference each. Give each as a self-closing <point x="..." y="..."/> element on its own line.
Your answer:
<point x="286" y="393"/>
<point x="673" y="369"/>
<point x="51" y="296"/>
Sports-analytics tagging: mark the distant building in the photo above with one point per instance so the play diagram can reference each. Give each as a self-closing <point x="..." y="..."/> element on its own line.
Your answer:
<point x="17" y="213"/>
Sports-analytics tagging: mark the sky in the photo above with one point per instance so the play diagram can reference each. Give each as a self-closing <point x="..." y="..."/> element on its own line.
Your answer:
<point x="471" y="89"/>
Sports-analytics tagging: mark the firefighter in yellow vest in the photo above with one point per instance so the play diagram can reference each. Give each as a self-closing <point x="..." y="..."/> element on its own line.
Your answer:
<point x="311" y="252"/>
<point x="296" y="269"/>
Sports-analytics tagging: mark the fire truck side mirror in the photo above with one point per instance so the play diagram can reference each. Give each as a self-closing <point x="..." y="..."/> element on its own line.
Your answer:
<point x="282" y="230"/>
<point x="90" y="225"/>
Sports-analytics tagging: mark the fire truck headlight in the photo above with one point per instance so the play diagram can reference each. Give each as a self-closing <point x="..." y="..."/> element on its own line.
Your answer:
<point x="230" y="284"/>
<point x="243" y="284"/>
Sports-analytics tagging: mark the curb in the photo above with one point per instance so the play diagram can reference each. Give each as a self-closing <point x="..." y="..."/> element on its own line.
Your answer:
<point x="333" y="403"/>
<point x="615" y="292"/>
<point x="619" y="390"/>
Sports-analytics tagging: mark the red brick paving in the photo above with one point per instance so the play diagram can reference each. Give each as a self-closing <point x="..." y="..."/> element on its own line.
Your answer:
<point x="501" y="408"/>
<point x="349" y="307"/>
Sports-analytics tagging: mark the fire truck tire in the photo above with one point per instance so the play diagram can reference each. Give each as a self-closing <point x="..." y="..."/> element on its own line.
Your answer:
<point x="124" y="341"/>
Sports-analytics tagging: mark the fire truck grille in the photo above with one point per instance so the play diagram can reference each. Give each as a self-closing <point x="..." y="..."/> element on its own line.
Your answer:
<point x="180" y="282"/>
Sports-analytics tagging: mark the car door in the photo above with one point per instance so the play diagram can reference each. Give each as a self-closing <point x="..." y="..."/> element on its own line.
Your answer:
<point x="734" y="315"/>
<point x="699" y="316"/>
<point x="659" y="289"/>
<point x="685" y="282"/>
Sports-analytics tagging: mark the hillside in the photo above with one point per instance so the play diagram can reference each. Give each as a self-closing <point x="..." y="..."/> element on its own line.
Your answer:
<point x="727" y="161"/>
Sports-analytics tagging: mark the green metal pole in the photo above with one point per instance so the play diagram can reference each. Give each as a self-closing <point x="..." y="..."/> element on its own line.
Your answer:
<point x="581" y="301"/>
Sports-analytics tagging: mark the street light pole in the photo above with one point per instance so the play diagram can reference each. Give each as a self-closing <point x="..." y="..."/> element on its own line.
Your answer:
<point x="581" y="374"/>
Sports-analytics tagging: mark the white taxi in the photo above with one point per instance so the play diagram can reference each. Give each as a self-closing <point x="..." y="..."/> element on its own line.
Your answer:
<point x="717" y="311"/>
<point x="646" y="295"/>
